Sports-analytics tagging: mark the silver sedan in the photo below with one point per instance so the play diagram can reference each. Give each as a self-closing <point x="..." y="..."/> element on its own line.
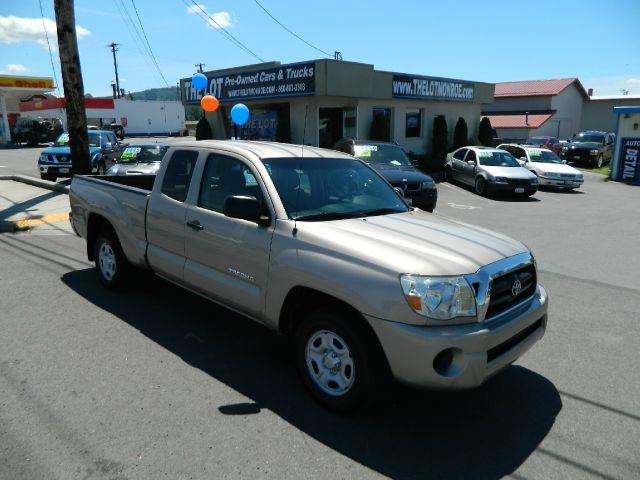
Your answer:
<point x="490" y="170"/>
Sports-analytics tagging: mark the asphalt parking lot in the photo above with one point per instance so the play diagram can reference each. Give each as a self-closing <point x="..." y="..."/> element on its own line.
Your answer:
<point x="158" y="383"/>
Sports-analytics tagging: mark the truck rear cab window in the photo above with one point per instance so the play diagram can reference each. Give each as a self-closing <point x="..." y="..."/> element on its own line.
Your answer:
<point x="177" y="178"/>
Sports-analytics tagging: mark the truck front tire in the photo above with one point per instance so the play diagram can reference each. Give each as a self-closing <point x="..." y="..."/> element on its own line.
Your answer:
<point x="337" y="359"/>
<point x="112" y="266"/>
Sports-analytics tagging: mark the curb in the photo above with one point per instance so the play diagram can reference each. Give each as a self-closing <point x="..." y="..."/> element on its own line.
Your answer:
<point x="10" y="226"/>
<point x="37" y="182"/>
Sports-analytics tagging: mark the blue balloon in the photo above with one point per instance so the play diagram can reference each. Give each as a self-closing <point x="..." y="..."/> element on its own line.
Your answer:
<point x="199" y="81"/>
<point x="240" y="114"/>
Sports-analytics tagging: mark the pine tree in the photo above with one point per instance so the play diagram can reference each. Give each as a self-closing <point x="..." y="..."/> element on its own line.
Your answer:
<point x="440" y="140"/>
<point x="460" y="134"/>
<point x="484" y="132"/>
<point x="203" y="130"/>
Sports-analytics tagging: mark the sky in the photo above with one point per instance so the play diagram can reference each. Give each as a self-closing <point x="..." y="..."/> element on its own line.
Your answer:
<point x="490" y="41"/>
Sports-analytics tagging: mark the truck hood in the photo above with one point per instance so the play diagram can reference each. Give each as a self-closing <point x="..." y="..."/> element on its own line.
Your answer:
<point x="554" y="168"/>
<point x="65" y="150"/>
<point x="583" y="146"/>
<point x="509" y="172"/>
<point x="395" y="173"/>
<point x="414" y="242"/>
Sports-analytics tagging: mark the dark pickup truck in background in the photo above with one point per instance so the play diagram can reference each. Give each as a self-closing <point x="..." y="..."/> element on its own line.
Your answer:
<point x="592" y="148"/>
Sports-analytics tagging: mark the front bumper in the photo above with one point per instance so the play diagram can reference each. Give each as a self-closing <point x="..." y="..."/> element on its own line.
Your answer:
<point x="512" y="188"/>
<point x="59" y="170"/>
<point x="425" y="199"/>
<point x="558" y="182"/>
<point x="478" y="351"/>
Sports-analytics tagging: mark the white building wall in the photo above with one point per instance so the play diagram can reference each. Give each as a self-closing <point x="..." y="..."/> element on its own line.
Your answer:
<point x="150" y="117"/>
<point x="597" y="114"/>
<point x="567" y="119"/>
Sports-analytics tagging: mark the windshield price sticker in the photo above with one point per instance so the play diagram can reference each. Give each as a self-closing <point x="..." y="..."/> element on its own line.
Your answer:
<point x="534" y="152"/>
<point x="130" y="152"/>
<point x="64" y="138"/>
<point x="364" y="150"/>
<point x="485" y="154"/>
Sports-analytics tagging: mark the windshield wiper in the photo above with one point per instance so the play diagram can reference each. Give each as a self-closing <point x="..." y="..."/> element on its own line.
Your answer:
<point x="329" y="216"/>
<point x="380" y="211"/>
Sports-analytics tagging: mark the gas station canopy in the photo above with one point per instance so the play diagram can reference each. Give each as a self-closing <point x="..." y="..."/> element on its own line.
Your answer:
<point x="12" y="88"/>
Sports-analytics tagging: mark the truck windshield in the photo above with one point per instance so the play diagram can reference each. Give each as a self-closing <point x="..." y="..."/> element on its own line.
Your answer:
<point x="496" y="159"/>
<point x="142" y="154"/>
<point x="543" y="156"/>
<point x="316" y="189"/>
<point x="588" y="139"/>
<point x="381" y="154"/>
<point x="63" y="140"/>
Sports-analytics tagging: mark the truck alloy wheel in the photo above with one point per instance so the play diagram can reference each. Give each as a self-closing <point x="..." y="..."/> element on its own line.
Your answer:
<point x="111" y="264"/>
<point x="600" y="161"/>
<point x="336" y="358"/>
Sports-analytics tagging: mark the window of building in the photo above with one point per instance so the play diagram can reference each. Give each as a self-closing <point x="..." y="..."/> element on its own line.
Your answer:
<point x="413" y="123"/>
<point x="381" y="124"/>
<point x="177" y="178"/>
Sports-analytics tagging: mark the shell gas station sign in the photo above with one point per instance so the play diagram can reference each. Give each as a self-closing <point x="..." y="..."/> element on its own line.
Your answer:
<point x="22" y="83"/>
<point x="13" y="87"/>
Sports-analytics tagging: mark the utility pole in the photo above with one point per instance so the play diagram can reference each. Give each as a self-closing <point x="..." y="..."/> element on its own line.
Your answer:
<point x="73" y="86"/>
<point x="115" y="66"/>
<point x="199" y="65"/>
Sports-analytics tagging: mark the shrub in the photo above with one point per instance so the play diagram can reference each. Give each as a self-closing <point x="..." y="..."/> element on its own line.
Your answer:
<point x="203" y="130"/>
<point x="484" y="132"/>
<point x="460" y="134"/>
<point x="439" y="143"/>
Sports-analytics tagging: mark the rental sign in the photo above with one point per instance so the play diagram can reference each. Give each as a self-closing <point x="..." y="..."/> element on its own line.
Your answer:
<point x="430" y="88"/>
<point x="283" y="81"/>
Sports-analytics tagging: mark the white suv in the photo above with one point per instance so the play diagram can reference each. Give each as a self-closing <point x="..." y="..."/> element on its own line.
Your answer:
<point x="551" y="171"/>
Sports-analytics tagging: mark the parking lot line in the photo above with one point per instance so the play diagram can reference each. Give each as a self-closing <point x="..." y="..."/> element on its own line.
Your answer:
<point x="24" y="223"/>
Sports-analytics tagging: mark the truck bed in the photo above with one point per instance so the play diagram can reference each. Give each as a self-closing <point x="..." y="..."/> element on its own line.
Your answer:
<point x="121" y="200"/>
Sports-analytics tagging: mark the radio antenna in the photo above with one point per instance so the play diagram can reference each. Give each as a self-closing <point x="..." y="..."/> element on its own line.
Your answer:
<point x="304" y="136"/>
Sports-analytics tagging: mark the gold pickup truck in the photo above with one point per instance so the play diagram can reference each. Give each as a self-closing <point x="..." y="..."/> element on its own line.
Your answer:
<point x="316" y="245"/>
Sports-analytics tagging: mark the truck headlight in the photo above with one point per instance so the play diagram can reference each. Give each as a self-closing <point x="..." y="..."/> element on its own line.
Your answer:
<point x="593" y="153"/>
<point x="43" y="157"/>
<point x="439" y="298"/>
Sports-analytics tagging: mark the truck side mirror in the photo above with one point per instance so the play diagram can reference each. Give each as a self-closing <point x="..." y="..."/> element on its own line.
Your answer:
<point x="245" y="208"/>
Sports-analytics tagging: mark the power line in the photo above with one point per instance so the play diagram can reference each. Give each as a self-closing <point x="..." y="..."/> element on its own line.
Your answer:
<point x="223" y="31"/>
<point x="292" y="33"/>
<point x="53" y="68"/>
<point x="149" y="45"/>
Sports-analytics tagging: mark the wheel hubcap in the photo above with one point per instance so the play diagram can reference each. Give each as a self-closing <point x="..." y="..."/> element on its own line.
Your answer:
<point x="330" y="363"/>
<point x="107" y="261"/>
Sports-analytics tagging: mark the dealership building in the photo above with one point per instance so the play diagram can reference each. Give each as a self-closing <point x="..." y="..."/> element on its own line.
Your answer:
<point x="318" y="102"/>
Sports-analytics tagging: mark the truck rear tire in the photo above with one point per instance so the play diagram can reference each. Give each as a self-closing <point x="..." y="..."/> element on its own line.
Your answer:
<point x="112" y="266"/>
<point x="338" y="361"/>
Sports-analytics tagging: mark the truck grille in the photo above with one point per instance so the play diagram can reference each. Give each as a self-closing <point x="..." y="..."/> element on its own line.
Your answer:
<point x="510" y="289"/>
<point x="63" y="158"/>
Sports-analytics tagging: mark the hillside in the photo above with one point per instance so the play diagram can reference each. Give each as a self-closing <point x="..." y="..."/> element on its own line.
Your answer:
<point x="168" y="93"/>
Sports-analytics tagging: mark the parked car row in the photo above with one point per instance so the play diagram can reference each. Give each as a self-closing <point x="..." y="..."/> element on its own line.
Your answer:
<point x="108" y="156"/>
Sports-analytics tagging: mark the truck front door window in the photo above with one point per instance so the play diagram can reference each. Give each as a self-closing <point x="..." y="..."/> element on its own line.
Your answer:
<point x="224" y="177"/>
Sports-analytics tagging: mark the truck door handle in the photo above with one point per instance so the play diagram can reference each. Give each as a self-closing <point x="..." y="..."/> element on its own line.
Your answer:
<point x="195" y="224"/>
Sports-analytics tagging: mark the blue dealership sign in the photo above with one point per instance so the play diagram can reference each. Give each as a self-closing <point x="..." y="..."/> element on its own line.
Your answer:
<point x="290" y="80"/>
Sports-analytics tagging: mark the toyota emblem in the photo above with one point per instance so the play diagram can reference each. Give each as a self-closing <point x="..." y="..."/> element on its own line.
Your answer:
<point x="516" y="288"/>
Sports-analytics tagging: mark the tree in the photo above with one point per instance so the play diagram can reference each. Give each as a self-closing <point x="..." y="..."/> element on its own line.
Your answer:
<point x="439" y="140"/>
<point x="484" y="132"/>
<point x="460" y="134"/>
<point x="203" y="130"/>
<point x="73" y="86"/>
